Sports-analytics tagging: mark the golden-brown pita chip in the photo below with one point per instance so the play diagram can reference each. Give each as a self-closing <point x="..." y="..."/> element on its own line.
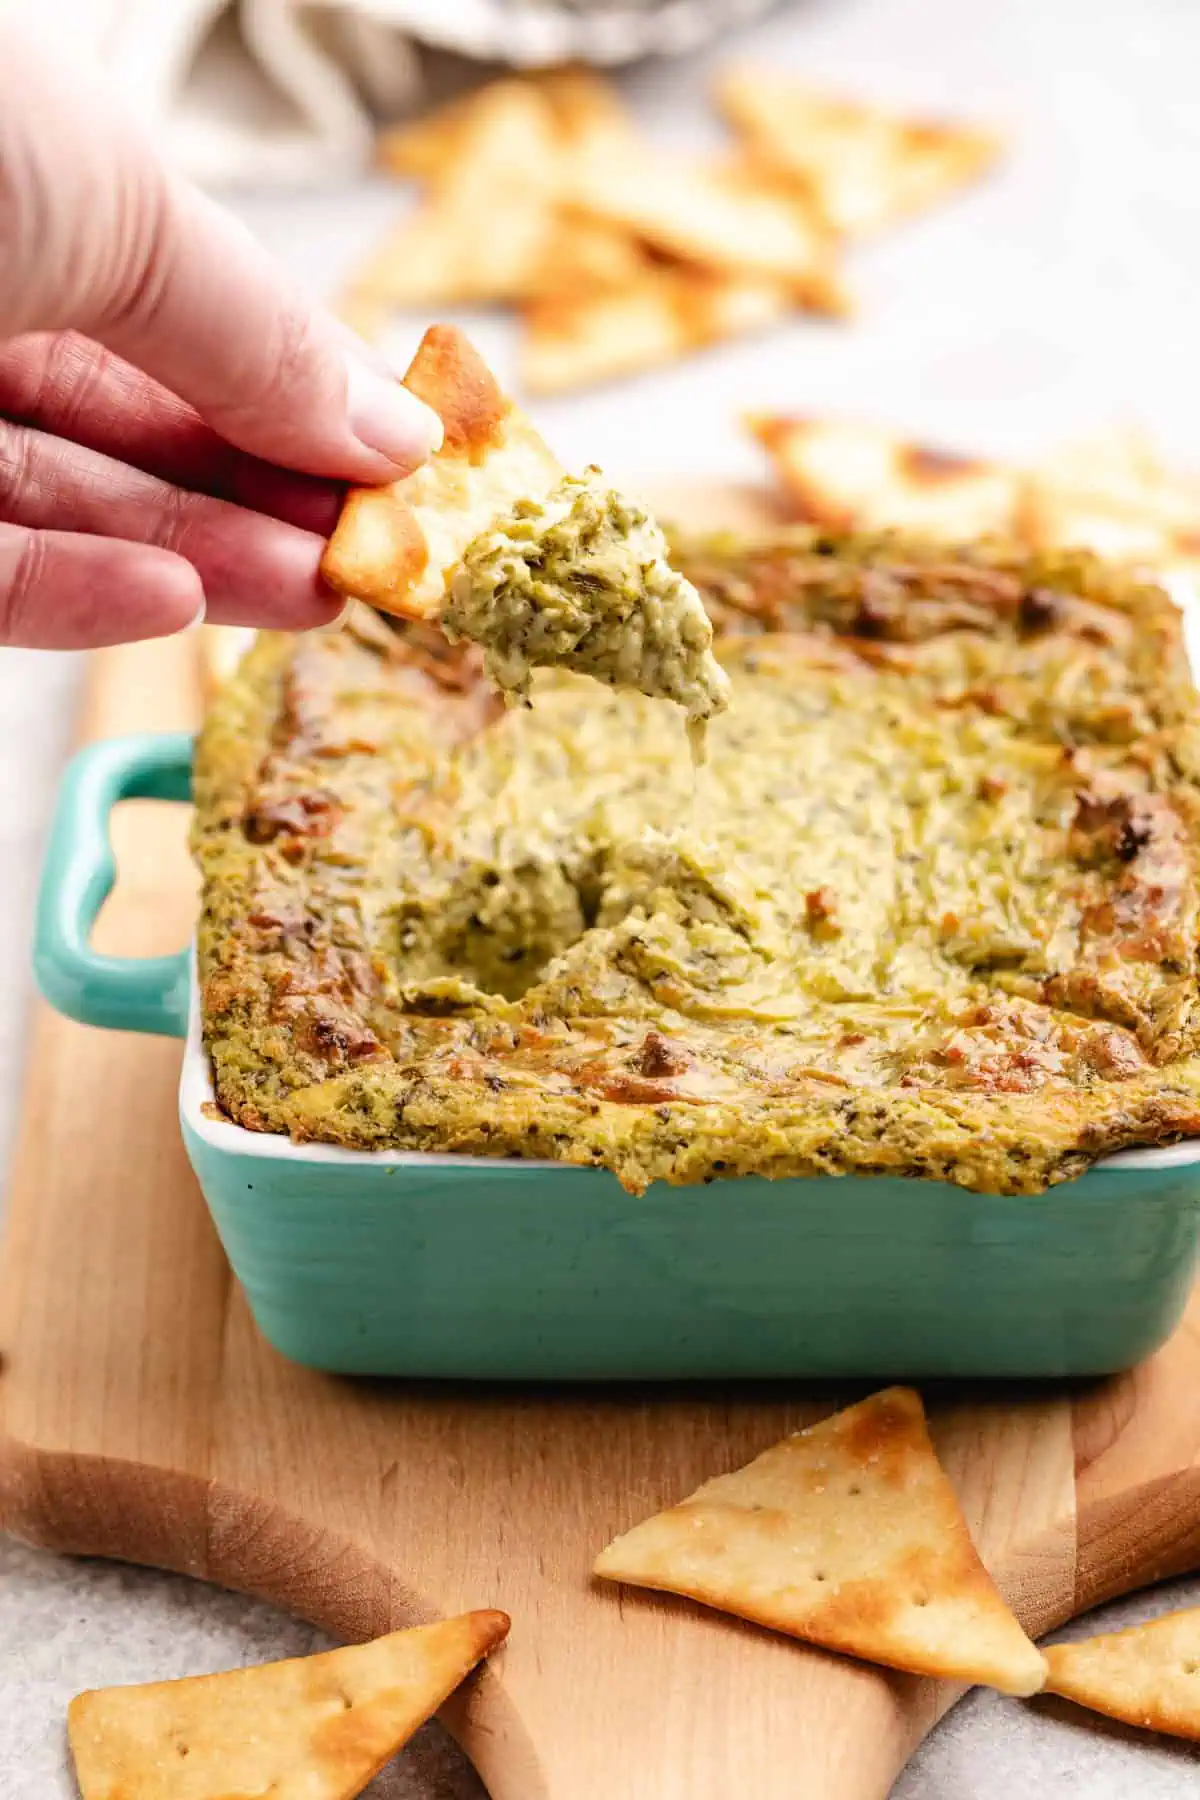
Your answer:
<point x="1112" y="494"/>
<point x="490" y="228"/>
<point x="1065" y="519"/>
<point x="584" y="110"/>
<point x="849" y="475"/>
<point x="1147" y="1676"/>
<point x="1120" y="459"/>
<point x="540" y="193"/>
<point x="864" y="168"/>
<point x="588" y="113"/>
<point x="315" y="1728"/>
<point x="665" y="314"/>
<point x="848" y="1535"/>
<point x="420" y="149"/>
<point x="485" y="219"/>
<point x="393" y="545"/>
<point x="717" y="216"/>
<point x="583" y="258"/>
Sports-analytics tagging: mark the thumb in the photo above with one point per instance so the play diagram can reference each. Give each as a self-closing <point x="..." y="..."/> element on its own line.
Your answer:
<point x="97" y="235"/>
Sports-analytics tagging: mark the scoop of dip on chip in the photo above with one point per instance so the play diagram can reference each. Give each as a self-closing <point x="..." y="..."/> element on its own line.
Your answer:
<point x="580" y="580"/>
<point x="494" y="541"/>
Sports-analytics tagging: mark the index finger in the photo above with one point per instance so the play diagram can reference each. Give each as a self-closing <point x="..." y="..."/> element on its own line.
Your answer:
<point x="66" y="385"/>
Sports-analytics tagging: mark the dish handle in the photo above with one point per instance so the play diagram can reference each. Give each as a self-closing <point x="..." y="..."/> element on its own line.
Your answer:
<point x="121" y="993"/>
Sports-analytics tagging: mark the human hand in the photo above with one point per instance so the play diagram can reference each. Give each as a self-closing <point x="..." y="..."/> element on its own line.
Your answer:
<point x="175" y="421"/>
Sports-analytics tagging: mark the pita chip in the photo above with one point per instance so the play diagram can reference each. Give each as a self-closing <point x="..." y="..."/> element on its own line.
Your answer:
<point x="315" y="1728"/>
<point x="490" y="227"/>
<point x="574" y="340"/>
<point x="847" y="1535"/>
<point x="1147" y="1676"/>
<point x="589" y="116"/>
<point x="1118" y="460"/>
<point x="583" y="259"/>
<point x="421" y="149"/>
<point x="435" y="257"/>
<point x="583" y="110"/>
<point x="718" y="216"/>
<point x="485" y="220"/>
<point x="1065" y="519"/>
<point x="848" y="475"/>
<point x="1112" y="494"/>
<point x="864" y="169"/>
<point x="394" y="545"/>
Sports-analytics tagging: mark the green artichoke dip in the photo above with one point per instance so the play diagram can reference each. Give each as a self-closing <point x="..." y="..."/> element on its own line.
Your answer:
<point x="935" y="913"/>
<point x="582" y="581"/>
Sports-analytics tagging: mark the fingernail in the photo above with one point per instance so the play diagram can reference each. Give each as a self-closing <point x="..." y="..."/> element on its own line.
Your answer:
<point x="388" y="419"/>
<point x="199" y="616"/>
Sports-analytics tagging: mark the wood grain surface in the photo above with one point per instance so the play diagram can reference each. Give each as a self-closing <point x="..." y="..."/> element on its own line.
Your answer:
<point x="143" y="1418"/>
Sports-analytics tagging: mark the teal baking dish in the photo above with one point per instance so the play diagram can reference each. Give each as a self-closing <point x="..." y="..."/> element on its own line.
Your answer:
<point x="388" y="1264"/>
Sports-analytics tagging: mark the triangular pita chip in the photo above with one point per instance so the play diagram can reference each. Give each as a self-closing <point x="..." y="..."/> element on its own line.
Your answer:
<point x="423" y="148"/>
<point x="1055" y="518"/>
<point x="315" y="1728"/>
<point x="585" y="259"/>
<point x="848" y="1535"/>
<point x="1147" y="1676"/>
<point x="717" y="215"/>
<point x="585" y="111"/>
<point x="588" y="113"/>
<point x="484" y="223"/>
<point x="864" y="168"/>
<point x="491" y="227"/>
<point x="1112" y="494"/>
<point x="393" y="545"/>
<point x="444" y="255"/>
<point x="665" y="313"/>
<point x="1117" y="460"/>
<point x="848" y="475"/>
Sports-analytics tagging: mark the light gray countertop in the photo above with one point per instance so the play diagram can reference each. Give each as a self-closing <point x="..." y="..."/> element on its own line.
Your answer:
<point x="1057" y="299"/>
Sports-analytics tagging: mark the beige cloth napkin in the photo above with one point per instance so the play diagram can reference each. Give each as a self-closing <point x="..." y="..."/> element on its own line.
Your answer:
<point x="249" y="92"/>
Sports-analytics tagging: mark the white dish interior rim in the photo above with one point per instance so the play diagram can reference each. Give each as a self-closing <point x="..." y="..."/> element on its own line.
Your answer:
<point x="196" y="1086"/>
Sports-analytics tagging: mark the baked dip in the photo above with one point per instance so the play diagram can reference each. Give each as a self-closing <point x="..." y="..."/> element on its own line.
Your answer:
<point x="936" y="917"/>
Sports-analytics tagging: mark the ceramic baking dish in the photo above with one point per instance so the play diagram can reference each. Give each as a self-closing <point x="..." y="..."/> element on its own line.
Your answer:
<point x="391" y="1264"/>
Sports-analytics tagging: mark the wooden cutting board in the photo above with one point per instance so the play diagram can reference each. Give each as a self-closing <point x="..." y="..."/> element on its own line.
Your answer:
<point x="144" y="1419"/>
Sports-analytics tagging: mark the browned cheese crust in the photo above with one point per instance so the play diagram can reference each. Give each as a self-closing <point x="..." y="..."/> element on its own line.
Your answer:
<point x="934" y="911"/>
